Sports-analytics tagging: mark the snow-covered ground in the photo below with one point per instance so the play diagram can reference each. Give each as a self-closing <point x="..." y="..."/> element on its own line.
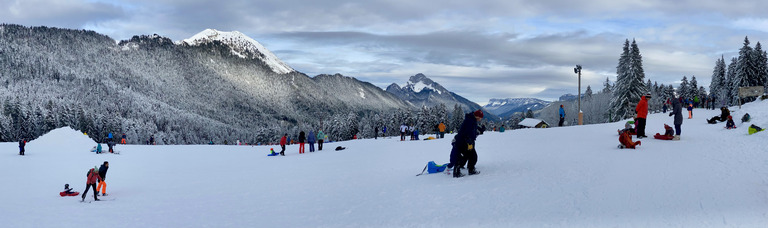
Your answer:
<point x="559" y="177"/>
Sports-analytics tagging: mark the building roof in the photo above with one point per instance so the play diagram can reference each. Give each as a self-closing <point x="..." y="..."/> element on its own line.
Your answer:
<point x="531" y="122"/>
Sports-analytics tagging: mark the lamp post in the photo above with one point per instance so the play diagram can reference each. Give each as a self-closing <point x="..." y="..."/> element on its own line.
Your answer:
<point x="577" y="70"/>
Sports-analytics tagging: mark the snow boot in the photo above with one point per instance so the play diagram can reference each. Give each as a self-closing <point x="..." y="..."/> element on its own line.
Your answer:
<point x="457" y="172"/>
<point x="676" y="138"/>
<point x="473" y="172"/>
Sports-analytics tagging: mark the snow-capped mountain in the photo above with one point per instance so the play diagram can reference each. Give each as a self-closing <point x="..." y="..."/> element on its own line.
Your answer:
<point x="506" y="107"/>
<point x="242" y="46"/>
<point x="422" y="91"/>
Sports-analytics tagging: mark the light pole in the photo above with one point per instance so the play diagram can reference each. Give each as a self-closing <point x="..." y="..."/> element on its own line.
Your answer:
<point x="577" y="70"/>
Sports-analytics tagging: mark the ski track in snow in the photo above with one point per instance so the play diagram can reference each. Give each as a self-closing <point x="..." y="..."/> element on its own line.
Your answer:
<point x="558" y="177"/>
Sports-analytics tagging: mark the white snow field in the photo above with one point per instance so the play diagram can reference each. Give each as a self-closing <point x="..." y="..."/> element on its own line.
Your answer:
<point x="558" y="177"/>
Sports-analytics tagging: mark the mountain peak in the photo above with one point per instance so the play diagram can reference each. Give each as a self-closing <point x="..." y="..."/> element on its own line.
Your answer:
<point x="419" y="82"/>
<point x="242" y="46"/>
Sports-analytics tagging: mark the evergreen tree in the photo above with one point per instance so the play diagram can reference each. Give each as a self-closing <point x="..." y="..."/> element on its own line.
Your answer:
<point x="529" y="114"/>
<point x="693" y="87"/>
<point x="685" y="89"/>
<point x="732" y="88"/>
<point x="630" y="85"/>
<point x="745" y="69"/>
<point x="607" y="86"/>
<point x="588" y="93"/>
<point x="718" y="86"/>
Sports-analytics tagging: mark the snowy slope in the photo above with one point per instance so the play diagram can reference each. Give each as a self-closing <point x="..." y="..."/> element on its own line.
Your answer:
<point x="241" y="45"/>
<point x="558" y="177"/>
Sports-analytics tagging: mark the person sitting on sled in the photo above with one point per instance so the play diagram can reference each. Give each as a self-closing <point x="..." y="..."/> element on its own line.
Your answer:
<point x="730" y="124"/>
<point x="669" y="133"/>
<point x="67" y="189"/>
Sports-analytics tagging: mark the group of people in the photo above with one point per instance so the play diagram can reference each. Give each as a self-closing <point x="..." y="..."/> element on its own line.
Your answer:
<point x="311" y="138"/>
<point x="408" y="130"/>
<point x="95" y="175"/>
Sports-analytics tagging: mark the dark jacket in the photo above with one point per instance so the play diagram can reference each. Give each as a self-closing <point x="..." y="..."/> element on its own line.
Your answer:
<point x="103" y="172"/>
<point x="468" y="131"/>
<point x="302" y="137"/>
<point x="677" y="110"/>
<point x="724" y="113"/>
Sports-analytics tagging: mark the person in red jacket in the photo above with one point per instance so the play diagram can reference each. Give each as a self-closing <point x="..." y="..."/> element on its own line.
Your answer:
<point x="283" y="140"/>
<point x="93" y="178"/>
<point x="642" y="113"/>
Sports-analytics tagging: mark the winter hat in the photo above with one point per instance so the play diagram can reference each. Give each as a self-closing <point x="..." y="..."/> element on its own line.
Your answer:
<point x="730" y="117"/>
<point x="479" y="113"/>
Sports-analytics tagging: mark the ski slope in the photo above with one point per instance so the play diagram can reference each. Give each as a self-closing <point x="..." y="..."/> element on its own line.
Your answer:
<point x="558" y="177"/>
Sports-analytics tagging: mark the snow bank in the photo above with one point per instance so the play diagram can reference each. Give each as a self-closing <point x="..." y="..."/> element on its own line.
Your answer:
<point x="61" y="140"/>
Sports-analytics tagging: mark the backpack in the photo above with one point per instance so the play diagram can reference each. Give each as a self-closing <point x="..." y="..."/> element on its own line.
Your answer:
<point x="745" y="118"/>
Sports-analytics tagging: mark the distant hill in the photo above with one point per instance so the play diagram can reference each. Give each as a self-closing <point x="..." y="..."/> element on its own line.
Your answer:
<point x="507" y="107"/>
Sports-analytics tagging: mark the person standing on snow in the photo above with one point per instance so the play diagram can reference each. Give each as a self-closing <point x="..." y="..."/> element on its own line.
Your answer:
<point x="562" y="116"/>
<point x="376" y="132"/>
<point x="677" y="111"/>
<point x="463" y="149"/>
<point x="102" y="187"/>
<point x="123" y="141"/>
<point x="302" y="138"/>
<point x="22" y="144"/>
<point x="403" y="128"/>
<point x="642" y="114"/>
<point x="441" y="128"/>
<point x="320" y="138"/>
<point x="93" y="177"/>
<point x="311" y="139"/>
<point x="283" y="140"/>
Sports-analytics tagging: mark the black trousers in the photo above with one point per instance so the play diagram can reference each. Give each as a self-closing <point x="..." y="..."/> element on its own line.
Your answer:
<point x="87" y="186"/>
<point x="562" y="120"/>
<point x="641" y="127"/>
<point x="283" y="149"/>
<point x="320" y="144"/>
<point x="468" y="157"/>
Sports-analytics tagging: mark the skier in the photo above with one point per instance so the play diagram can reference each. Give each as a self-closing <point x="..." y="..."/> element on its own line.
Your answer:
<point x="302" y="138"/>
<point x="463" y="149"/>
<point x="562" y="116"/>
<point x="22" y="144"/>
<point x="311" y="138"/>
<point x="320" y="138"/>
<point x="642" y="114"/>
<point x="283" y="140"/>
<point x="677" y="111"/>
<point x="102" y="187"/>
<point x="93" y="177"/>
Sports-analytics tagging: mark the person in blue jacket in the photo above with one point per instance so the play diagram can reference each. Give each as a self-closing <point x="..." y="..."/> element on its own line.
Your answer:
<point x="463" y="149"/>
<point x="562" y="116"/>
<point x="311" y="140"/>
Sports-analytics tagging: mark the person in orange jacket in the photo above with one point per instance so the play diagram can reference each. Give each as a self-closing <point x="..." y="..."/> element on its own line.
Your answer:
<point x="441" y="128"/>
<point x="642" y="114"/>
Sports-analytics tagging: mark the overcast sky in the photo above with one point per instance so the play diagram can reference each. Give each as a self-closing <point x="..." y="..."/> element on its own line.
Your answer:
<point x="479" y="49"/>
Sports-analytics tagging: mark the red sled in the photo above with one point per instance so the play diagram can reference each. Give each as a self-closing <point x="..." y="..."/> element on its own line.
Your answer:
<point x="69" y="194"/>
<point x="663" y="137"/>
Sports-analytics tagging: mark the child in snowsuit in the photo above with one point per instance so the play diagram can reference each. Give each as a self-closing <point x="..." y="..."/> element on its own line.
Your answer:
<point x="690" y="110"/>
<point x="669" y="133"/>
<point x="626" y="141"/>
<point x="67" y="189"/>
<point x="730" y="124"/>
<point x="93" y="177"/>
<point x="22" y="143"/>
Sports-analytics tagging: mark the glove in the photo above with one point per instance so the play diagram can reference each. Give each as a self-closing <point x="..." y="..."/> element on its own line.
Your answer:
<point x="470" y="146"/>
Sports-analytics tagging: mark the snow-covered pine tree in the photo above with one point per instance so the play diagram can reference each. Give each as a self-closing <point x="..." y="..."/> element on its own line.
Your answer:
<point x="684" y="90"/>
<point x="607" y="86"/>
<point x="630" y="85"/>
<point x="745" y="69"/>
<point x="588" y="93"/>
<point x="731" y="87"/>
<point x="694" y="88"/>
<point x="718" y="86"/>
<point x="458" y="117"/>
<point x="761" y="66"/>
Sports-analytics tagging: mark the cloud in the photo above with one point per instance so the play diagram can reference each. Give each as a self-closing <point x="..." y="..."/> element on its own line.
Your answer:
<point x="58" y="13"/>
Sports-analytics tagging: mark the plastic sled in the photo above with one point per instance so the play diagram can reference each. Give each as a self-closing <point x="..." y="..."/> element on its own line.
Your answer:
<point x="663" y="137"/>
<point x="69" y="194"/>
